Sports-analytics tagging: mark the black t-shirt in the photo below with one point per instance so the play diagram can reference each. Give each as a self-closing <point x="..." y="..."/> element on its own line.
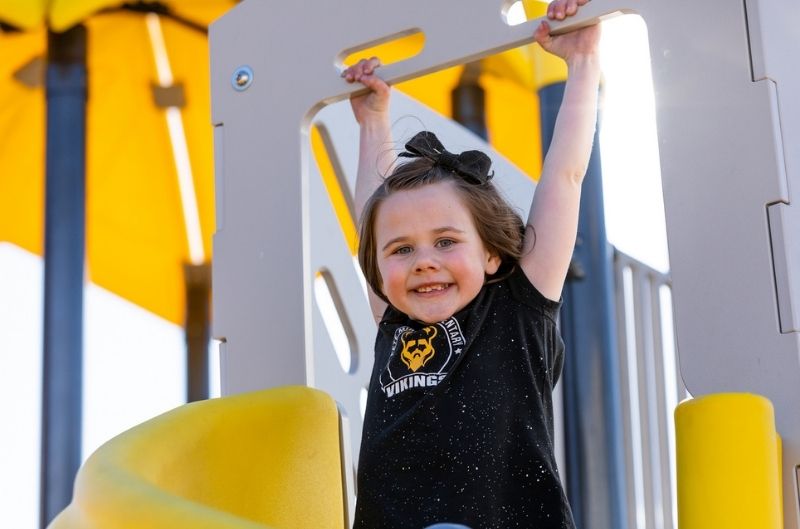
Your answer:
<point x="459" y="422"/>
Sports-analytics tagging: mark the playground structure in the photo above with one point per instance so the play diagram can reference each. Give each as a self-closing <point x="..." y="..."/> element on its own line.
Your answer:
<point x="727" y="187"/>
<point x="721" y="73"/>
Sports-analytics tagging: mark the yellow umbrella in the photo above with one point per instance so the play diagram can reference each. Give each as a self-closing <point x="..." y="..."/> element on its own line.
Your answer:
<point x="148" y="172"/>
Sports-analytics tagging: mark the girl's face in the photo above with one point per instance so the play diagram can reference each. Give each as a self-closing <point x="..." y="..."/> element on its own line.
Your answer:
<point x="431" y="259"/>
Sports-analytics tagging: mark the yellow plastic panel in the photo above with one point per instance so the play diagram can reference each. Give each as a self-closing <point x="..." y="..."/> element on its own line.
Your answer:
<point x="400" y="48"/>
<point x="512" y="119"/>
<point x="529" y="65"/>
<point x="514" y="65"/>
<point x="22" y="122"/>
<point x="188" y="53"/>
<point x="203" y="12"/>
<point x="64" y="14"/>
<point x="269" y="459"/>
<point x="133" y="212"/>
<point x="24" y="14"/>
<point x="728" y="456"/>
<point x="434" y="89"/>
<point x="333" y="185"/>
<point x="136" y="238"/>
<point x="548" y="68"/>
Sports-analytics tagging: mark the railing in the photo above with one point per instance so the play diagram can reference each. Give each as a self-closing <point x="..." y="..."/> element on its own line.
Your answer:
<point x="651" y="388"/>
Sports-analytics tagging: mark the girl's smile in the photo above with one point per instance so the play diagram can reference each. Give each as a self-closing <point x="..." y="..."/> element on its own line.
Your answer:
<point x="431" y="288"/>
<point x="431" y="259"/>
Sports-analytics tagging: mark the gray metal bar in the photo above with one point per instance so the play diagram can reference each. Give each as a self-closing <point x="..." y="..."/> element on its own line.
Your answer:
<point x="65" y="203"/>
<point x="663" y="414"/>
<point x="643" y="354"/>
<point x="627" y="396"/>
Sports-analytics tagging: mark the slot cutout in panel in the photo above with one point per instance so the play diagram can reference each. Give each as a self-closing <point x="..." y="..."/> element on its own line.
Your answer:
<point x="516" y="12"/>
<point x="336" y="321"/>
<point x="330" y="169"/>
<point x="391" y="49"/>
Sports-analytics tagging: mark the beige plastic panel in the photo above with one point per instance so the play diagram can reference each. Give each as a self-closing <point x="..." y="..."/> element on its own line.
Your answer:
<point x="729" y="140"/>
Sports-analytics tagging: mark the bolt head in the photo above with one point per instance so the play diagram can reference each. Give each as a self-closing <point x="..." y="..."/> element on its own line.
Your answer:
<point x="242" y="78"/>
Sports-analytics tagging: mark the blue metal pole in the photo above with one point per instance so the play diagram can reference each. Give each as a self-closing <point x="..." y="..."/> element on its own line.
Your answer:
<point x="595" y="471"/>
<point x="66" y="92"/>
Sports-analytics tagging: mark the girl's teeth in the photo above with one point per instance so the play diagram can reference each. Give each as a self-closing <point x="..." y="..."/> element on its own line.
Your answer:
<point x="430" y="289"/>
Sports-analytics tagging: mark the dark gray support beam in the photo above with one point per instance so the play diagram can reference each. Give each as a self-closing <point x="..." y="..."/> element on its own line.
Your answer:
<point x="469" y="101"/>
<point x="595" y="476"/>
<point x="197" y="279"/>
<point x="66" y="93"/>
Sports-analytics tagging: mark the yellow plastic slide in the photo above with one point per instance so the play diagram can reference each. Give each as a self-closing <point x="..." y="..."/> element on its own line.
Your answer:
<point x="269" y="459"/>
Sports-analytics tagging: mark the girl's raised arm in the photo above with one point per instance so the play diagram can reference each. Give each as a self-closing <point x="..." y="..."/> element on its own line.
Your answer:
<point x="371" y="111"/>
<point x="553" y="219"/>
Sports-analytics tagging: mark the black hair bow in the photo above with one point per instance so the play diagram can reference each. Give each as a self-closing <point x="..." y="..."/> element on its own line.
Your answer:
<point x="473" y="166"/>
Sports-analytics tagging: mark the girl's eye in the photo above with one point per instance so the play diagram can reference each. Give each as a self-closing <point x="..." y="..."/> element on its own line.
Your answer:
<point x="403" y="250"/>
<point x="445" y="243"/>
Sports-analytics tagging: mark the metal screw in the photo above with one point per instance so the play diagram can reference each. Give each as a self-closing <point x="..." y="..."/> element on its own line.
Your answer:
<point x="242" y="78"/>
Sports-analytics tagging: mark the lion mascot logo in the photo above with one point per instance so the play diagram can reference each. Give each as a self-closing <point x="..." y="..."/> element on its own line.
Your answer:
<point x="418" y="348"/>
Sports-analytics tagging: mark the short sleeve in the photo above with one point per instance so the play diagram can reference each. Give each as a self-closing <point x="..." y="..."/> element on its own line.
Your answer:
<point x="523" y="291"/>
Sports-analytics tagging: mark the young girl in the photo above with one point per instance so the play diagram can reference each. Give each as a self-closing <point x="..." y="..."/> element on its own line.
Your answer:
<point x="459" y="423"/>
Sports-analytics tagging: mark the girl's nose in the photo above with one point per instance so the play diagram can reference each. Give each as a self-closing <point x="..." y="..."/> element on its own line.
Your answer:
<point x="425" y="260"/>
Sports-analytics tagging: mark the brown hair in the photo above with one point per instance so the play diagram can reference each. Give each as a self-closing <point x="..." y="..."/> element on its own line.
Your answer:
<point x="500" y="228"/>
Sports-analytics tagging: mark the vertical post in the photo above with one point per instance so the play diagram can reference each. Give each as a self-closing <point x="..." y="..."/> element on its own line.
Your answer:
<point x="729" y="463"/>
<point x="66" y="93"/>
<point x="197" y="279"/>
<point x="468" y="98"/>
<point x="595" y="479"/>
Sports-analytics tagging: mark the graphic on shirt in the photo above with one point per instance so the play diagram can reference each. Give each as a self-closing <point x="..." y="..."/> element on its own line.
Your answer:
<point x="417" y="350"/>
<point x="421" y="358"/>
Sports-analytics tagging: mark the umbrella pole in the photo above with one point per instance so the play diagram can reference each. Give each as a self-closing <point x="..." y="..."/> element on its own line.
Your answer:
<point x="65" y="204"/>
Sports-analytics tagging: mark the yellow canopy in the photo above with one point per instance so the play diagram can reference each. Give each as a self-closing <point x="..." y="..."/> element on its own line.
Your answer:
<point x="60" y="15"/>
<point x="136" y="234"/>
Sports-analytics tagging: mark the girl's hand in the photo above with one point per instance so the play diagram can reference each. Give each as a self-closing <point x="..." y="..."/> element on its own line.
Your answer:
<point x="582" y="42"/>
<point x="374" y="105"/>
